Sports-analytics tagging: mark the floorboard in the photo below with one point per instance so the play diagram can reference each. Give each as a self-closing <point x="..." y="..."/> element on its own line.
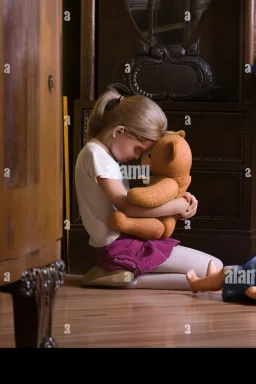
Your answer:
<point x="90" y="318"/>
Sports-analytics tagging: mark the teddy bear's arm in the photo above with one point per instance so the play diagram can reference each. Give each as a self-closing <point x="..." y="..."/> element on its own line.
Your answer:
<point x="159" y="193"/>
<point x="169" y="223"/>
<point x="184" y="182"/>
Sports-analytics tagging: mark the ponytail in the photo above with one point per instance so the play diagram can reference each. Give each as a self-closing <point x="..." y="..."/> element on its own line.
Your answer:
<point x="96" y="121"/>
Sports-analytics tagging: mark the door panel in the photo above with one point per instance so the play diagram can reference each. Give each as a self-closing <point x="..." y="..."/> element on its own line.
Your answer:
<point x="32" y="125"/>
<point x="19" y="135"/>
<point x="2" y="216"/>
<point x="50" y="193"/>
<point x="215" y="137"/>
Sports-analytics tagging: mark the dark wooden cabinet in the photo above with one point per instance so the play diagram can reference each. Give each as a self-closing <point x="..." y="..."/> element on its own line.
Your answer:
<point x="197" y="72"/>
<point x="191" y="60"/>
<point x="31" y="185"/>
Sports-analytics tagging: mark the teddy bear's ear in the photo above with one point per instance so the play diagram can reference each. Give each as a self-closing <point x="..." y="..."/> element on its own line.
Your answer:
<point x="182" y="134"/>
<point x="171" y="151"/>
<point x="170" y="133"/>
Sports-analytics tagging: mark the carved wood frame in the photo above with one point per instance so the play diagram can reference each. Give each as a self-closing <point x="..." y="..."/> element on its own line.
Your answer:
<point x="247" y="47"/>
<point x="88" y="41"/>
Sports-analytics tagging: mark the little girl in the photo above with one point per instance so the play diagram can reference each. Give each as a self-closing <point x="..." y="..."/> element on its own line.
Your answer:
<point x="120" y="129"/>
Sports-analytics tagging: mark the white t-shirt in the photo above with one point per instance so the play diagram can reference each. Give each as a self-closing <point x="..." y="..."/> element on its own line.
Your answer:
<point x="94" y="207"/>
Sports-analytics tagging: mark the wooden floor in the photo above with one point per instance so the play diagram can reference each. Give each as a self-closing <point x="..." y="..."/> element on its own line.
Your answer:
<point x="140" y="318"/>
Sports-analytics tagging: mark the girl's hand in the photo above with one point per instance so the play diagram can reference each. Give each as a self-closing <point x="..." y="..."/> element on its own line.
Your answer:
<point x="191" y="211"/>
<point x="187" y="196"/>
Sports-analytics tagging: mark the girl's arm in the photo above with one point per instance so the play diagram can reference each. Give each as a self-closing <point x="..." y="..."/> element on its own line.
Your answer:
<point x="116" y="193"/>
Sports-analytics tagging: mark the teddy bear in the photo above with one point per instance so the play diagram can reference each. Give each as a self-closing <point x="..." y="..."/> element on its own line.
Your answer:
<point x="170" y="162"/>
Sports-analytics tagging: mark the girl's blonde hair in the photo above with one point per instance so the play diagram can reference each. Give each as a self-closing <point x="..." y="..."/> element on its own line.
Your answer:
<point x="140" y="116"/>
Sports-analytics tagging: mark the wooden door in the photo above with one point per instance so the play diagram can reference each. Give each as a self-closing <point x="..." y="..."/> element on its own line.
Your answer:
<point x="2" y="235"/>
<point x="31" y="191"/>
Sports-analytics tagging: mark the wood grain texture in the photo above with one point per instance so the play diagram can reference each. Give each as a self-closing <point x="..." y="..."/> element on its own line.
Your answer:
<point x="249" y="31"/>
<point x="38" y="259"/>
<point x="18" y="128"/>
<point x="50" y="197"/>
<point x="140" y="318"/>
<point x="88" y="36"/>
<point x="248" y="48"/>
<point x="32" y="130"/>
<point x="2" y="222"/>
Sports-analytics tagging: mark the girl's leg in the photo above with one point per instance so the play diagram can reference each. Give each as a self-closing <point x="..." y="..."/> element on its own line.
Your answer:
<point x="169" y="275"/>
<point x="182" y="259"/>
<point x="172" y="273"/>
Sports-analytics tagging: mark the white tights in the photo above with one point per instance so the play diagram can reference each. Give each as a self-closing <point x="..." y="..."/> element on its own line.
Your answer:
<point x="172" y="273"/>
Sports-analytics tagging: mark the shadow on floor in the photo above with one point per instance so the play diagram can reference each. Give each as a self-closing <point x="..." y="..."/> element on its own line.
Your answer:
<point x="76" y="280"/>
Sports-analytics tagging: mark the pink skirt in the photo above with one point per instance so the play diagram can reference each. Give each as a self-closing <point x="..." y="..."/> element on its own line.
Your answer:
<point x="135" y="255"/>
